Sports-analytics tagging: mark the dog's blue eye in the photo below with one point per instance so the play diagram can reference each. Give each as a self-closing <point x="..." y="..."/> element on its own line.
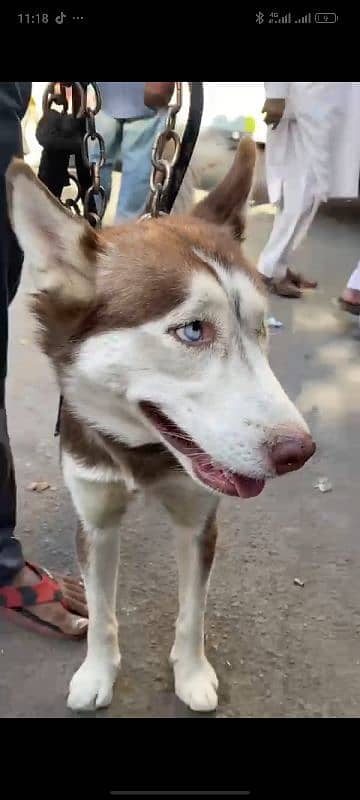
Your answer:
<point x="196" y="332"/>
<point x="191" y="332"/>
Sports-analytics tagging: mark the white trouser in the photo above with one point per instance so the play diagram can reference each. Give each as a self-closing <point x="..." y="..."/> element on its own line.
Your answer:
<point x="298" y="203"/>
<point x="291" y="223"/>
<point x="354" y="280"/>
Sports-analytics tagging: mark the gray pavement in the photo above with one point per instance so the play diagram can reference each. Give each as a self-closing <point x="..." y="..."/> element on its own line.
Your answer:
<point x="279" y="649"/>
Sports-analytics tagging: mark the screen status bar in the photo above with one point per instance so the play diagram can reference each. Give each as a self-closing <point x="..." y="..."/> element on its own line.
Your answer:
<point x="289" y="17"/>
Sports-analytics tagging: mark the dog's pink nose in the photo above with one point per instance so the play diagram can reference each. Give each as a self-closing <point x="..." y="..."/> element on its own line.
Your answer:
<point x="290" y="454"/>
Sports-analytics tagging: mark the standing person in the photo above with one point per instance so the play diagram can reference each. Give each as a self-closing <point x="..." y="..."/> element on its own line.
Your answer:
<point x="28" y="595"/>
<point x="312" y="154"/>
<point x="132" y="117"/>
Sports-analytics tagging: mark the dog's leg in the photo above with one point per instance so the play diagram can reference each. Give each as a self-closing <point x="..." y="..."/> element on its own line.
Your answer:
<point x="100" y="507"/>
<point x="92" y="685"/>
<point x="195" y="679"/>
<point x="193" y="512"/>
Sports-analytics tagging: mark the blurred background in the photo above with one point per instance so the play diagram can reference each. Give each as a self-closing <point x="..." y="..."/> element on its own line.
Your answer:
<point x="230" y="110"/>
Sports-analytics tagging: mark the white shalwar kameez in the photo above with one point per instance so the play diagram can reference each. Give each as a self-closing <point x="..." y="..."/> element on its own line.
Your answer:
<point x="312" y="155"/>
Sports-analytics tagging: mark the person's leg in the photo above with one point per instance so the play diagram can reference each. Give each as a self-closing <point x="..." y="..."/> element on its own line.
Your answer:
<point x="275" y="258"/>
<point x="290" y="226"/>
<point x="354" y="280"/>
<point x="15" y="573"/>
<point x="273" y="261"/>
<point x="11" y="557"/>
<point x="137" y="142"/>
<point x="350" y="298"/>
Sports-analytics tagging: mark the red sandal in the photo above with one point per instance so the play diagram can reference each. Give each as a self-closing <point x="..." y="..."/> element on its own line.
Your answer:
<point x="14" y="602"/>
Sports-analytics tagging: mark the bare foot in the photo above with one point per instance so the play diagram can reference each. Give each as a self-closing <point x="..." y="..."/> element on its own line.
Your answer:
<point x="72" y="620"/>
<point x="351" y="296"/>
<point x="283" y="288"/>
<point x="300" y="281"/>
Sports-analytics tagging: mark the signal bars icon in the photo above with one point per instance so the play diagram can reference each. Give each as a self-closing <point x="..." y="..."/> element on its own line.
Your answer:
<point x="274" y="17"/>
<point x="307" y="18"/>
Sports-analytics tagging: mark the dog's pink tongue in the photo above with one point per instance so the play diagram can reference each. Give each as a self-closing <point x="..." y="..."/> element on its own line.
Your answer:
<point x="248" y="487"/>
<point x="227" y="482"/>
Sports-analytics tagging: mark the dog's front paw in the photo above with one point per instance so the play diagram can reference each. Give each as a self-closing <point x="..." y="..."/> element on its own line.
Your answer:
<point x="196" y="684"/>
<point x="92" y="685"/>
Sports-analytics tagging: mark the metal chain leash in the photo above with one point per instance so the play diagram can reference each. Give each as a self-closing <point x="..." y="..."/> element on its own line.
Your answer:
<point x="94" y="201"/>
<point x="95" y="190"/>
<point x="81" y="108"/>
<point x="162" y="166"/>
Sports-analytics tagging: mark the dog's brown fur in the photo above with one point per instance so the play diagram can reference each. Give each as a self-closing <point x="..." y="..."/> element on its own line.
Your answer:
<point x="132" y="285"/>
<point x="93" y="448"/>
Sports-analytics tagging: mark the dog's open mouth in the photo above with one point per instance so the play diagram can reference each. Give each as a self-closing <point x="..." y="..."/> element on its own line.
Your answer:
<point x="214" y="475"/>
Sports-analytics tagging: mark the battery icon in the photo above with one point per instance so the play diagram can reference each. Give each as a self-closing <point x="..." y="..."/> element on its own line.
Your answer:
<point x="326" y="16"/>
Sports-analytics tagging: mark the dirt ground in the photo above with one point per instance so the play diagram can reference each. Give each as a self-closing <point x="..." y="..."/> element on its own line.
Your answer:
<point x="279" y="649"/>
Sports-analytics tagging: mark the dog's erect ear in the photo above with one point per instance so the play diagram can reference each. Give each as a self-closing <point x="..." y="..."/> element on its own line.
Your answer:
<point x="227" y="203"/>
<point x="59" y="248"/>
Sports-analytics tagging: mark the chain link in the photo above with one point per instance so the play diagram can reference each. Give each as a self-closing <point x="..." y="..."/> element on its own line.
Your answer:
<point x="95" y="191"/>
<point x="52" y="96"/>
<point x="163" y="166"/>
<point x="72" y="203"/>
